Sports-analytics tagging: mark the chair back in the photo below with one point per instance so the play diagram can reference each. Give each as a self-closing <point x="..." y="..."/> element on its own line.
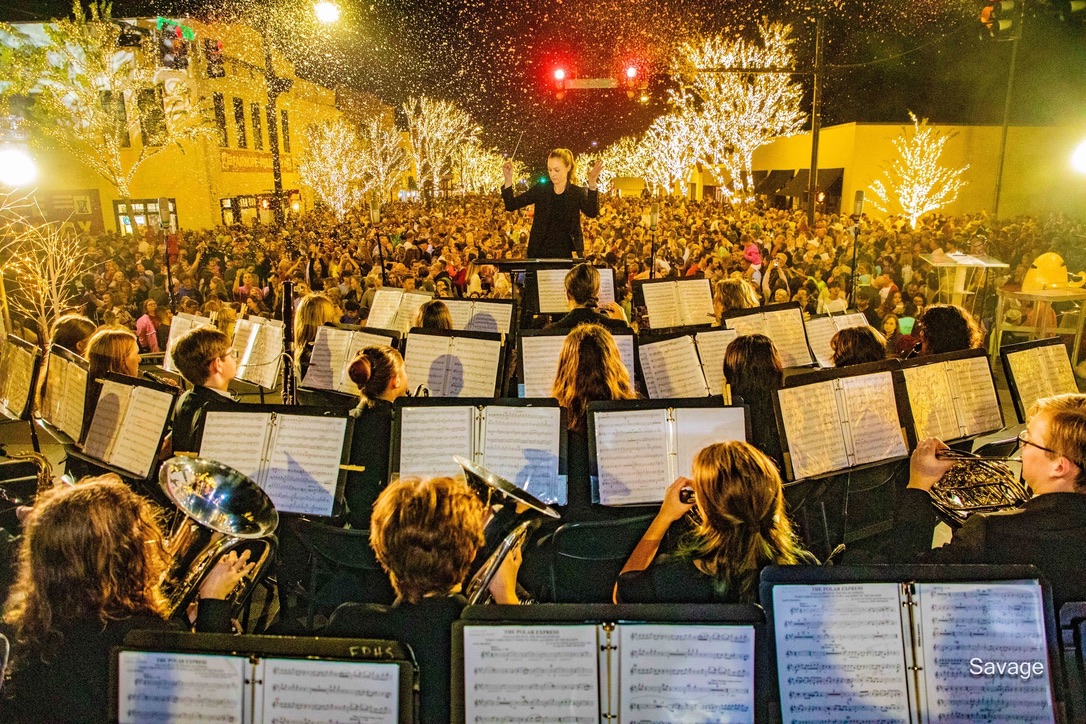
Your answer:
<point x="586" y="558"/>
<point x="1073" y="652"/>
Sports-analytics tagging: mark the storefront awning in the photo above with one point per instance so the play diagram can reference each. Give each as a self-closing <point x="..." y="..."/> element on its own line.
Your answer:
<point x="773" y="182"/>
<point x="798" y="185"/>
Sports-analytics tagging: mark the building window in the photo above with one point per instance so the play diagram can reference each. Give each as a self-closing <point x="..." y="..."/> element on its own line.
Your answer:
<point x="239" y="123"/>
<point x="285" y="130"/>
<point x="145" y="214"/>
<point x="258" y="132"/>
<point x="152" y="116"/>
<point x="220" y="118"/>
<point x="115" y="105"/>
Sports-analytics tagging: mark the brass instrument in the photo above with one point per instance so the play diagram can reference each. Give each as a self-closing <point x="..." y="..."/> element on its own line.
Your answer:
<point x="486" y="483"/>
<point x="976" y="484"/>
<point x="223" y="511"/>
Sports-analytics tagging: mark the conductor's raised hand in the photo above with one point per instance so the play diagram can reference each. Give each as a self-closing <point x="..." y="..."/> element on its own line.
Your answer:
<point x="507" y="172"/>
<point x="594" y="173"/>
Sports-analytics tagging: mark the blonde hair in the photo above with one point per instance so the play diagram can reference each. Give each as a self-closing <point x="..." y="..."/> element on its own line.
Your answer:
<point x="566" y="157"/>
<point x="314" y="312"/>
<point x="590" y="369"/>
<point x="108" y="351"/>
<point x="1066" y="429"/>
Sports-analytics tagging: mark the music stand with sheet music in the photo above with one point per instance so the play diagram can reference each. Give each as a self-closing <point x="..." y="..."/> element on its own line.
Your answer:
<point x="1036" y="369"/>
<point x="550" y="288"/>
<point x="179" y="325"/>
<point x="821" y="329"/>
<point x="538" y="352"/>
<point x="298" y="455"/>
<point x="335" y="347"/>
<point x="782" y="323"/>
<point x="639" y="447"/>
<point x="684" y="362"/>
<point x="610" y="663"/>
<point x="521" y="440"/>
<point x="675" y="302"/>
<point x="20" y="364"/>
<point x="433" y="357"/>
<point x="63" y="395"/>
<point x="909" y="638"/>
<point x="178" y="677"/>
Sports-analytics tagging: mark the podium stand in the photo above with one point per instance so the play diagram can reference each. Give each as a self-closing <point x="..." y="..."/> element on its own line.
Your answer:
<point x="1040" y="329"/>
<point x="964" y="278"/>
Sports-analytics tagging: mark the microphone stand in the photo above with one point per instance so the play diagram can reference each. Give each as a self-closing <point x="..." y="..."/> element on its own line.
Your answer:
<point x="290" y="393"/>
<point x="853" y="282"/>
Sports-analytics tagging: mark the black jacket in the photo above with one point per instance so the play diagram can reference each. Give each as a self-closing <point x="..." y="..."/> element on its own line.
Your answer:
<point x="556" y="228"/>
<point x="188" y="419"/>
<point x="675" y="579"/>
<point x="1048" y="532"/>
<point x="581" y="315"/>
<point x="370" y="449"/>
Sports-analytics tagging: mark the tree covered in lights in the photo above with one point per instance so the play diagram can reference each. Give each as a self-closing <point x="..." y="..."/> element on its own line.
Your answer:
<point x="382" y="156"/>
<point x="727" y="116"/>
<point x="333" y="165"/>
<point x="91" y="98"/>
<point x="437" y="128"/>
<point x="481" y="168"/>
<point x="668" y="152"/>
<point x="916" y="182"/>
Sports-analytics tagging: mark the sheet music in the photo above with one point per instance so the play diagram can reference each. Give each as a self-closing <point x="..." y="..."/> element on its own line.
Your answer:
<point x="303" y="463"/>
<point x="521" y="444"/>
<point x="237" y="440"/>
<point x="140" y="436"/>
<point x="74" y="400"/>
<point x="695" y="300"/>
<point x="551" y="286"/>
<point x="1041" y="372"/>
<point x="171" y="687"/>
<point x="932" y="402"/>
<point x="327" y="361"/>
<point x="662" y="303"/>
<point x="262" y="367"/>
<point x="964" y="626"/>
<point x="180" y="324"/>
<point x="632" y="456"/>
<point x="1058" y="369"/>
<point x="244" y="331"/>
<point x="840" y="652"/>
<point x="812" y="427"/>
<point x="459" y="312"/>
<point x="431" y="436"/>
<point x="785" y="328"/>
<point x="386" y="303"/>
<point x="672" y="369"/>
<point x="18" y="370"/>
<point x="108" y="416"/>
<point x="540" y="359"/>
<point x="297" y="690"/>
<point x="820" y="331"/>
<point x="53" y="391"/>
<point x="531" y="673"/>
<point x="490" y="317"/>
<point x="699" y="427"/>
<point x="472" y="368"/>
<point x="359" y="340"/>
<point x="976" y="402"/>
<point x="410" y="303"/>
<point x="426" y="360"/>
<point x="607" y="285"/>
<point x="748" y="324"/>
<point x="711" y="348"/>
<point x="872" y="418"/>
<point x="686" y="672"/>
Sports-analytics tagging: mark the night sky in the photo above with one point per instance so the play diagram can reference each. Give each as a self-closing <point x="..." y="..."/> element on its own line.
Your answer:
<point x="496" y="57"/>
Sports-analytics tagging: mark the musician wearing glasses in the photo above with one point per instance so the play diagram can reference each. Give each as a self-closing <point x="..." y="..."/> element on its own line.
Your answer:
<point x="583" y="299"/>
<point x="1048" y="531"/>
<point x="208" y="362"/>
<point x="90" y="570"/>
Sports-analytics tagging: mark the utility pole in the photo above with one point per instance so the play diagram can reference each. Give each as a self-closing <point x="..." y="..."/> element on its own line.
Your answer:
<point x="1021" y="19"/>
<point x="816" y="120"/>
<point x="275" y="86"/>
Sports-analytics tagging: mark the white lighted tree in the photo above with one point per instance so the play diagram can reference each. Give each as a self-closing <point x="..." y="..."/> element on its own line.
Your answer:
<point x="481" y="168"/>
<point x="727" y="116"/>
<point x="668" y="151"/>
<point x="331" y="164"/>
<point x="91" y="98"/>
<point x="382" y="156"/>
<point x="437" y="129"/>
<point x="916" y="182"/>
<point x="625" y="158"/>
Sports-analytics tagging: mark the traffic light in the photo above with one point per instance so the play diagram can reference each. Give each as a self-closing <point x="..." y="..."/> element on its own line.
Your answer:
<point x="173" y="47"/>
<point x="999" y="19"/>
<point x="213" y="53"/>
<point x="1070" y="9"/>
<point x="559" y="83"/>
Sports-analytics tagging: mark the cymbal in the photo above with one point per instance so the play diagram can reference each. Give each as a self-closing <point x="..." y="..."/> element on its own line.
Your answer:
<point x="506" y="488"/>
<point x="218" y="497"/>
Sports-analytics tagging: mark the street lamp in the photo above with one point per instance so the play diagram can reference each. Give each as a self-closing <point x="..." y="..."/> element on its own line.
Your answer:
<point x="16" y="167"/>
<point x="326" y="12"/>
<point x="1078" y="158"/>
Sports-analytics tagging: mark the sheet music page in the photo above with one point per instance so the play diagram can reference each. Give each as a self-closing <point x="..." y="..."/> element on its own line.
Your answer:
<point x="686" y="672"/>
<point x="625" y="344"/>
<point x="1058" y="370"/>
<point x="1030" y="376"/>
<point x="872" y="418"/>
<point x="672" y="369"/>
<point x="426" y="360"/>
<point x="551" y="285"/>
<point x="386" y="302"/>
<point x="161" y="686"/>
<point x="74" y="400"/>
<point x="473" y="368"/>
<point x="965" y="628"/>
<point x="820" y="331"/>
<point x="56" y="378"/>
<point x="431" y="436"/>
<point x="141" y="432"/>
<point x="785" y="328"/>
<point x="662" y="303"/>
<point x="459" y="311"/>
<point x="749" y="324"/>
<point x="106" y="423"/>
<point x="303" y="690"/>
<point x="491" y="317"/>
<point x="410" y="303"/>
<point x="607" y="285"/>
<point x="237" y="440"/>
<point x="303" y="463"/>
<point x="531" y="673"/>
<point x="266" y="356"/>
<point x="812" y="426"/>
<point x="540" y="359"/>
<point x="931" y="402"/>
<point x="179" y="324"/>
<point x="243" y="334"/>
<point x="632" y="456"/>
<point x="326" y="362"/>
<point x="359" y="340"/>
<point x="976" y="402"/>
<point x="521" y="444"/>
<point x="700" y="427"/>
<point x="711" y="348"/>
<point x="695" y="299"/>
<point x="18" y="368"/>
<point x="841" y="652"/>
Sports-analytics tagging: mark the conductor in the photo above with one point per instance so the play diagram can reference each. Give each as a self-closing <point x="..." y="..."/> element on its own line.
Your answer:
<point x="556" y="229"/>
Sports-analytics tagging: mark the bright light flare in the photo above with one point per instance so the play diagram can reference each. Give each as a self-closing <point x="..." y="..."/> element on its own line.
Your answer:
<point x="559" y="74"/>
<point x="327" y="12"/>
<point x="631" y="72"/>
<point x="1078" y="158"/>
<point x="17" y="168"/>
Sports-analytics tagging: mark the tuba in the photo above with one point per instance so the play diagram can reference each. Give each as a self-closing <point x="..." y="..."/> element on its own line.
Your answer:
<point x="976" y="484"/>
<point x="221" y="511"/>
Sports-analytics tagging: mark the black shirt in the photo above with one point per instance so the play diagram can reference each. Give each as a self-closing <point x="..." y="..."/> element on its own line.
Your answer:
<point x="675" y="579"/>
<point x="369" y="448"/>
<point x="556" y="228"/>
<point x="188" y="419"/>
<point x="583" y="315"/>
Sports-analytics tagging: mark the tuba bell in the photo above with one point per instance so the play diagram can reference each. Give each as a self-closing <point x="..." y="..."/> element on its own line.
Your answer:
<point x="221" y="511"/>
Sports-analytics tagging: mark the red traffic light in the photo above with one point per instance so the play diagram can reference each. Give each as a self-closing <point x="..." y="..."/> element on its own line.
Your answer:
<point x="559" y="74"/>
<point x="631" y="72"/>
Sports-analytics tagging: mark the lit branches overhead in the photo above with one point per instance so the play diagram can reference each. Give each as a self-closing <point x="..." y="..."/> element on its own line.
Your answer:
<point x="437" y="130"/>
<point x="332" y="165"/>
<point x="382" y="156"/>
<point x="669" y="151"/>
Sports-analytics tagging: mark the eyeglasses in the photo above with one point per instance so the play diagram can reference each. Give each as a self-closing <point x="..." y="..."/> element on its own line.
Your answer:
<point x="233" y="352"/>
<point x="1023" y="438"/>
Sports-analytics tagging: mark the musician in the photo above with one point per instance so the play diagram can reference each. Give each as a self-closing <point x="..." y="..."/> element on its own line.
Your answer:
<point x="90" y="569"/>
<point x="556" y="226"/>
<point x="857" y="346"/>
<point x="754" y="372"/>
<point x="731" y="294"/>
<point x="208" y="362"/>
<point x="108" y="350"/>
<point x="314" y="311"/>
<point x="1048" y="531"/>
<point x="434" y="315"/>
<point x="947" y="328"/>
<point x="583" y="298"/>
<point x="742" y="528"/>
<point x="72" y="332"/>
<point x="425" y="533"/>
<point x="381" y="378"/>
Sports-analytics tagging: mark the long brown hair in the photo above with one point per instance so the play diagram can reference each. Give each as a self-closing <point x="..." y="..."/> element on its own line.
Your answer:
<point x="89" y="553"/>
<point x="590" y="369"/>
<point x="743" y="525"/>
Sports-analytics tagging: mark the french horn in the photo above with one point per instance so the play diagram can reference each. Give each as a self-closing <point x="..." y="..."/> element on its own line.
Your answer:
<point x="976" y="484"/>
